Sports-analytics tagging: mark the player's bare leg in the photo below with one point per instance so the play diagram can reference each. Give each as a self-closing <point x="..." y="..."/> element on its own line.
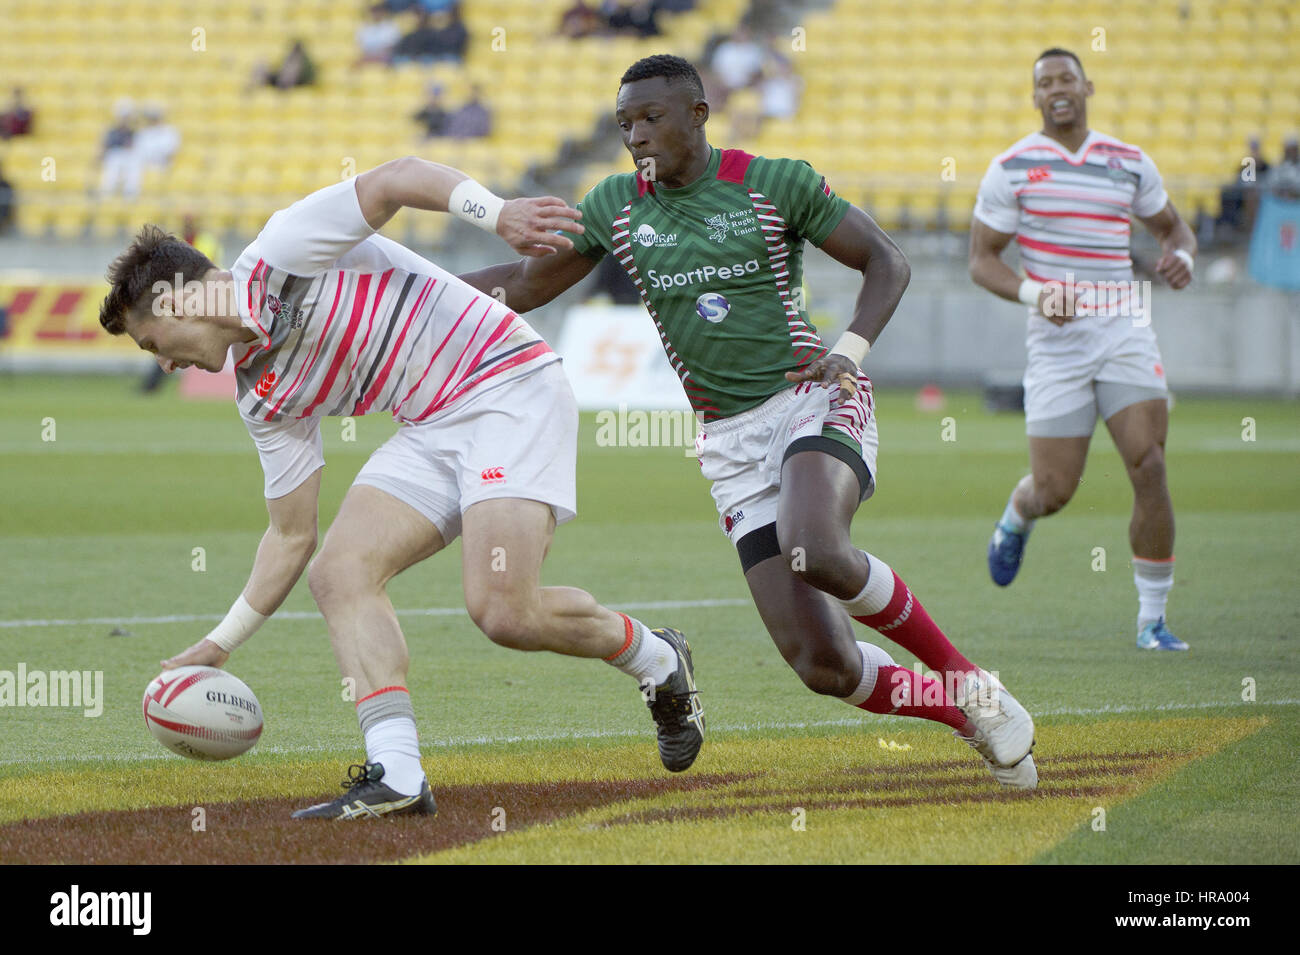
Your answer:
<point x="373" y="539"/>
<point x="818" y="497"/>
<point x="815" y="636"/>
<point x="1056" y="466"/>
<point x="505" y="541"/>
<point x="1139" y="432"/>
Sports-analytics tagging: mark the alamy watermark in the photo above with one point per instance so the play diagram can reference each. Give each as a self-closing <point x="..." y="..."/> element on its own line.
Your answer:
<point x="1129" y="298"/>
<point x="912" y="688"/>
<point x="635" y="428"/>
<point x="61" y="688"/>
<point x="211" y="297"/>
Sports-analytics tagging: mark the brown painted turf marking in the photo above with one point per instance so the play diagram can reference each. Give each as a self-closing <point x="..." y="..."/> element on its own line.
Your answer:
<point x="260" y="831"/>
<point x="949" y="789"/>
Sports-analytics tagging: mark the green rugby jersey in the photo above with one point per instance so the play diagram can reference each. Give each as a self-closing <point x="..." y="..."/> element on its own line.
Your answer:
<point x="718" y="264"/>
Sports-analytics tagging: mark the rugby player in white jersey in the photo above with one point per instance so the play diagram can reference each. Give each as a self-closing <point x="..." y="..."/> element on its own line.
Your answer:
<point x="1066" y="195"/>
<point x="327" y="318"/>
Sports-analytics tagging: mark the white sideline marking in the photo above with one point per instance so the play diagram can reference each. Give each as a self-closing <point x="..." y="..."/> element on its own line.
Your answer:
<point x="315" y="615"/>
<point x="449" y="742"/>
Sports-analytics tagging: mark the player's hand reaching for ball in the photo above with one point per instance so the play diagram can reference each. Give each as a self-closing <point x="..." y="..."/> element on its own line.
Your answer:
<point x="828" y="371"/>
<point x="204" y="653"/>
<point x="530" y="224"/>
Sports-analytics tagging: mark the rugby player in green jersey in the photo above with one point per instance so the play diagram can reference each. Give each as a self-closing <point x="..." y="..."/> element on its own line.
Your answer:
<point x="713" y="240"/>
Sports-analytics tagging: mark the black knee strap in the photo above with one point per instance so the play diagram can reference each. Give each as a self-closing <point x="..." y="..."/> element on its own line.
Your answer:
<point x="757" y="546"/>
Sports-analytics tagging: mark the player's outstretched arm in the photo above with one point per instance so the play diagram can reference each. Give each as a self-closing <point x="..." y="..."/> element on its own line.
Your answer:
<point x="530" y="283"/>
<point x="1177" y="245"/>
<point x="861" y="244"/>
<point x="529" y="225"/>
<point x="282" y="556"/>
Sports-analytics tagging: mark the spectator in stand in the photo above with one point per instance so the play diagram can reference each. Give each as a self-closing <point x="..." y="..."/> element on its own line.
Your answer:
<point x="433" y="116"/>
<point x="1275" y="240"/>
<point x="377" y="37"/>
<point x="580" y="20"/>
<point x="636" y="17"/>
<point x="1283" y="180"/>
<point x="6" y="206"/>
<point x="471" y="121"/>
<point x="437" y="36"/>
<point x="156" y="141"/>
<point x="1237" y="199"/>
<point x="673" y="6"/>
<point x="737" y="62"/>
<point x="779" y="90"/>
<point x="17" y="120"/>
<point x="296" y="70"/>
<point x="119" y="165"/>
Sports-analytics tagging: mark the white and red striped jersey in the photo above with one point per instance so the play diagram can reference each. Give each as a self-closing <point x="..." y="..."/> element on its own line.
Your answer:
<point x="348" y="323"/>
<point x="1070" y="212"/>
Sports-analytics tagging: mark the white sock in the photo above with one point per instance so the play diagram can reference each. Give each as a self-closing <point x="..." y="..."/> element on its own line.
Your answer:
<point x="1154" y="579"/>
<point x="393" y="742"/>
<point x="1011" y="517"/>
<point x="648" y="657"/>
<point x="876" y="593"/>
<point x="873" y="658"/>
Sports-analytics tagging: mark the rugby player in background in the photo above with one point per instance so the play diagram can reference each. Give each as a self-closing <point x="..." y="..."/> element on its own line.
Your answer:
<point x="328" y="318"/>
<point x="1065" y="194"/>
<point x="713" y="239"/>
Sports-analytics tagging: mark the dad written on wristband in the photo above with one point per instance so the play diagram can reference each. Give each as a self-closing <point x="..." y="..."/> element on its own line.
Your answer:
<point x="853" y="347"/>
<point x="240" y="624"/>
<point x="475" y="203"/>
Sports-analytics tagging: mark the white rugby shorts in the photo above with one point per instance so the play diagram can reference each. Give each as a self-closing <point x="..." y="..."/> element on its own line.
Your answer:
<point x="517" y="440"/>
<point x="1088" y="367"/>
<point x="742" y="455"/>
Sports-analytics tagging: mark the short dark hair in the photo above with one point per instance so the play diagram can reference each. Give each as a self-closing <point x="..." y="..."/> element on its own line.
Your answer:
<point x="1058" y="51"/>
<point x="671" y="68"/>
<point x="155" y="256"/>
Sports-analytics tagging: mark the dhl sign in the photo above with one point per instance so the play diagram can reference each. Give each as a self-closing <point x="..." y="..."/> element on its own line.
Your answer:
<point x="61" y="315"/>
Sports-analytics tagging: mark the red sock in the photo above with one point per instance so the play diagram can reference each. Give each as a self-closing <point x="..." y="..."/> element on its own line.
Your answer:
<point x="921" y="696"/>
<point x="905" y="622"/>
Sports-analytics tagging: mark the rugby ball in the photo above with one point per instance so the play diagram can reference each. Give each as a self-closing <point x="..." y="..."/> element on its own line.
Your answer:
<point x="202" y="713"/>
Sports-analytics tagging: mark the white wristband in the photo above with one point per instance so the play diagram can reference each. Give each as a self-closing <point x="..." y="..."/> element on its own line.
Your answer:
<point x="852" y="346"/>
<point x="1030" y="291"/>
<point x="476" y="204"/>
<point x="1186" y="257"/>
<point x="240" y="624"/>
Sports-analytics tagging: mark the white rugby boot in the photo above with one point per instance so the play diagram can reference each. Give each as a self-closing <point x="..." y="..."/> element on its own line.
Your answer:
<point x="1004" y="725"/>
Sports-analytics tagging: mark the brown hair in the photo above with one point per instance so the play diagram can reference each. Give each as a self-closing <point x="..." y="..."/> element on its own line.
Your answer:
<point x="154" y="256"/>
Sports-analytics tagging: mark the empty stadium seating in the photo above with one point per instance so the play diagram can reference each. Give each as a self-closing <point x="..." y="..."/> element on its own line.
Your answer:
<point x="904" y="101"/>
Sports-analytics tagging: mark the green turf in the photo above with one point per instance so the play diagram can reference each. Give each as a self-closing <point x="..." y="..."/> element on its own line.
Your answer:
<point x="103" y="522"/>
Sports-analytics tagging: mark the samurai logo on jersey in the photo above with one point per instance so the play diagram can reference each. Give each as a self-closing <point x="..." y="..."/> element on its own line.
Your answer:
<point x="648" y="237"/>
<point x="706" y="273"/>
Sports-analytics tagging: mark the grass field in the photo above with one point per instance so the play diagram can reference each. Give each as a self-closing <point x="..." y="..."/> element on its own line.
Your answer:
<point x="1185" y="758"/>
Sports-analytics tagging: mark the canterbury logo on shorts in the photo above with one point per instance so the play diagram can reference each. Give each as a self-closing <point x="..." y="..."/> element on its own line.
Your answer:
<point x="494" y="475"/>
